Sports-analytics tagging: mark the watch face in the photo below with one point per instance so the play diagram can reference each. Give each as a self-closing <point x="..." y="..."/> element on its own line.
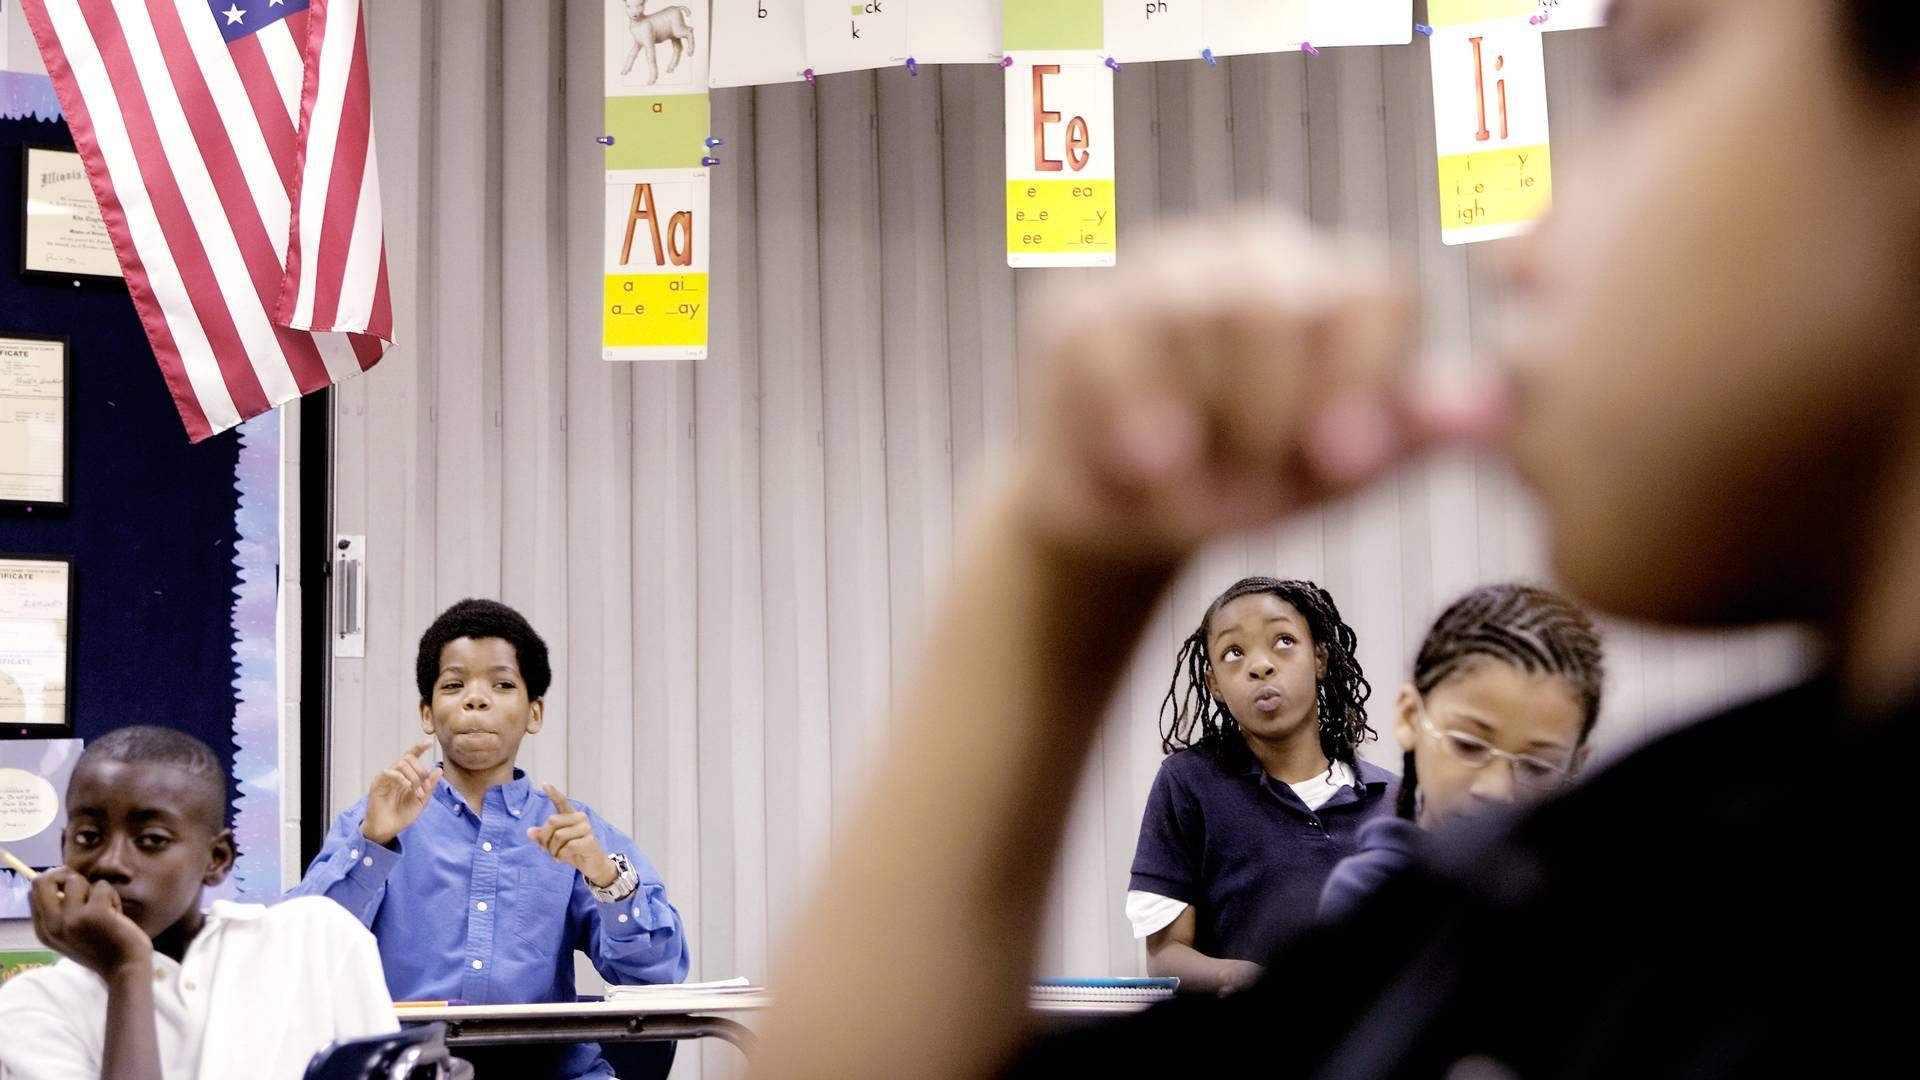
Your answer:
<point x="623" y="886"/>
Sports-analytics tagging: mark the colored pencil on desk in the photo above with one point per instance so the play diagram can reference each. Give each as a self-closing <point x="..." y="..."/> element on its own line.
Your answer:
<point x="427" y="1004"/>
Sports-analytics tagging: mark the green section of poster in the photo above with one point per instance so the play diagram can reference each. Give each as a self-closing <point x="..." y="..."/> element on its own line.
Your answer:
<point x="1047" y="25"/>
<point x="13" y="963"/>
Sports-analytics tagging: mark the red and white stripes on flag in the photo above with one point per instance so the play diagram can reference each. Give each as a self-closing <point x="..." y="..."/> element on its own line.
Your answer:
<point x="234" y="165"/>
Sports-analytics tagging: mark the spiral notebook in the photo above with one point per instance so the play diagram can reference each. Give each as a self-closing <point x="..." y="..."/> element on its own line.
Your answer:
<point x="1102" y="991"/>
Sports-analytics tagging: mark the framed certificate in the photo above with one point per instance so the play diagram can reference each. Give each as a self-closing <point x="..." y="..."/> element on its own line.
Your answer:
<point x="35" y="410"/>
<point x="36" y="646"/>
<point x="61" y="231"/>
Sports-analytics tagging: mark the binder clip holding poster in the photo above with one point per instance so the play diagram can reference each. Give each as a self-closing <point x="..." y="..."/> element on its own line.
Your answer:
<point x="1060" y="152"/>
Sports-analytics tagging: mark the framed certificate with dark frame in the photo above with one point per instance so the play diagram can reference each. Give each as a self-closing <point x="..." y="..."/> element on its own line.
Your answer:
<point x="36" y="412"/>
<point x="36" y="647"/>
<point x="62" y="233"/>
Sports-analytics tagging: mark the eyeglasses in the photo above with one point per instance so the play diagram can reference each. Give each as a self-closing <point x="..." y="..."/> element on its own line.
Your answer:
<point x="1528" y="771"/>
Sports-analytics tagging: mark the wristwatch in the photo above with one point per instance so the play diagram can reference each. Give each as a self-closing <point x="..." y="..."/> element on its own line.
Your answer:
<point x="623" y="886"/>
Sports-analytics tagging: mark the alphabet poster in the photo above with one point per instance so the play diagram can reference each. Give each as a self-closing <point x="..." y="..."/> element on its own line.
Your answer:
<point x="1060" y="153"/>
<point x="759" y="42"/>
<point x="655" y="242"/>
<point x="954" y="31"/>
<point x="1332" y="23"/>
<point x="1154" y="30"/>
<point x="656" y="257"/>
<point x="1241" y="27"/>
<point x="1490" y="119"/>
<point x="656" y="47"/>
<point x="843" y="35"/>
<point x="1454" y="12"/>
<point x="1187" y="29"/>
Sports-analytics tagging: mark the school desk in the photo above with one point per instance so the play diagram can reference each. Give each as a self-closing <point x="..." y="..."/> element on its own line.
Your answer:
<point x="661" y="1018"/>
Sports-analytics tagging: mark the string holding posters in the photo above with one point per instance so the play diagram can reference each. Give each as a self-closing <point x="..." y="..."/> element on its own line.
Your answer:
<point x="1060" y="152"/>
<point x="760" y="42"/>
<point x="1490" y="118"/>
<point x="655" y="242"/>
<point x="844" y="35"/>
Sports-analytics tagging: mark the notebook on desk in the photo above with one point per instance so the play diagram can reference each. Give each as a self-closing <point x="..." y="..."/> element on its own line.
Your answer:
<point x="1102" y="991"/>
<point x="720" y="989"/>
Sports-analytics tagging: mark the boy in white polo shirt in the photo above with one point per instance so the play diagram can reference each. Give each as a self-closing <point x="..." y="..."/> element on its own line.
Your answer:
<point x="150" y="986"/>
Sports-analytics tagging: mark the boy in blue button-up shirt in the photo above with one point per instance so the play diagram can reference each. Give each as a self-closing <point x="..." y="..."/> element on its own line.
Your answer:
<point x="482" y="887"/>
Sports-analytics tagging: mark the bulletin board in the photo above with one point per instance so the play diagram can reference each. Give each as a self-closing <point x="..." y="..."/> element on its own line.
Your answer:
<point x="175" y="547"/>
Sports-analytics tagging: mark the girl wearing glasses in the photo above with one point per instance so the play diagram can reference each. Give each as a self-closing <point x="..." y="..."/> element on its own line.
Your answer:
<point x="1505" y="691"/>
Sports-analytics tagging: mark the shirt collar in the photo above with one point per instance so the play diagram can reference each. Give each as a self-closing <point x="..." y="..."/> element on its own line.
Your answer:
<point x="1370" y="781"/>
<point x="234" y="911"/>
<point x="514" y="794"/>
<point x="1368" y="775"/>
<point x="219" y="915"/>
<point x="1373" y="777"/>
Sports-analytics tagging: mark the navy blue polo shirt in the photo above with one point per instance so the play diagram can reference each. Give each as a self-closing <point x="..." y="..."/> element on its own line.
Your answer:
<point x="1388" y="845"/>
<point x="1244" y="851"/>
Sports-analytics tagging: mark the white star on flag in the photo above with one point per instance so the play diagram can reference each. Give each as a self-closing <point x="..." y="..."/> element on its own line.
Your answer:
<point x="234" y="14"/>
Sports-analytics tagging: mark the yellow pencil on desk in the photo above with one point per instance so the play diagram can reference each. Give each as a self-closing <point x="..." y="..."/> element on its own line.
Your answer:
<point x="427" y="1004"/>
<point x="18" y="866"/>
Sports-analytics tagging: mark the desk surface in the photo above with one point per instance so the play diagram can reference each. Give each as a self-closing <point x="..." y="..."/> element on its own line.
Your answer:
<point x="689" y="1005"/>
<point x="651" y="1005"/>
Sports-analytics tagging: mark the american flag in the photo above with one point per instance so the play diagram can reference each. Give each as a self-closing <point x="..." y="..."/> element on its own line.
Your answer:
<point x="230" y="146"/>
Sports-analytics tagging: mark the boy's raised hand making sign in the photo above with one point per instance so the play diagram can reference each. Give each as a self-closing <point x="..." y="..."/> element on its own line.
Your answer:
<point x="568" y="836"/>
<point x="398" y="794"/>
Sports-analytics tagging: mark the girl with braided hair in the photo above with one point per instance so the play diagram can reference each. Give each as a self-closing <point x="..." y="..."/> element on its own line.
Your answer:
<point x="1262" y="792"/>
<point x="1504" y="693"/>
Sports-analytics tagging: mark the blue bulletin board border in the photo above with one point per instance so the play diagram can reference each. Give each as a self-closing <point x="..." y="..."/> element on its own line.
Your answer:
<point x="27" y="97"/>
<point x="257" y="723"/>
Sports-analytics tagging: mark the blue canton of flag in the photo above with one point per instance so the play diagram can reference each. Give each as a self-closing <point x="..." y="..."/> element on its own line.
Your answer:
<point x="238" y="18"/>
